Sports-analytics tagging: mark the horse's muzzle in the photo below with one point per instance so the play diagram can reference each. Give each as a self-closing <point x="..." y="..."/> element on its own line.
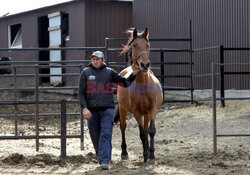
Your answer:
<point x="144" y="66"/>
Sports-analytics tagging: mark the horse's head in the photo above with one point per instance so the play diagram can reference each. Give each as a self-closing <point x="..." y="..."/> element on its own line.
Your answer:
<point x="138" y="44"/>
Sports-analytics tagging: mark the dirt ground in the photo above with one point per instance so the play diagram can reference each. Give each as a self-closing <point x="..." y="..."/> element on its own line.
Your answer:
<point x="183" y="142"/>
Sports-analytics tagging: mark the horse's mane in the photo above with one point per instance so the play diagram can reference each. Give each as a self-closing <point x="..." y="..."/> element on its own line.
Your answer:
<point x="127" y="47"/>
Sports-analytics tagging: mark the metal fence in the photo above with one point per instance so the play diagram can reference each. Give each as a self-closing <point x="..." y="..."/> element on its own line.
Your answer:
<point x="215" y="135"/>
<point x="162" y="62"/>
<point x="223" y="72"/>
<point x="36" y="65"/>
<point x="37" y="102"/>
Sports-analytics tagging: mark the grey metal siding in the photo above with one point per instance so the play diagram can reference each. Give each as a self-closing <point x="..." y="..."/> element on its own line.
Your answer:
<point x="27" y="41"/>
<point x="77" y="34"/>
<point x="107" y="19"/>
<point x="30" y="36"/>
<point x="163" y="19"/>
<point x="223" y="22"/>
<point x="89" y="23"/>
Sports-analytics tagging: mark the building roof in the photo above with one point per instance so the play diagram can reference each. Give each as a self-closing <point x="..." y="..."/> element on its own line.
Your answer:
<point x="46" y="4"/>
<point x="10" y="10"/>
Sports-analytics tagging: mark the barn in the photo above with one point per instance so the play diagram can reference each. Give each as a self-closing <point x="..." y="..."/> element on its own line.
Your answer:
<point x="77" y="23"/>
<point x="214" y="23"/>
<point x="86" y="23"/>
<point x="185" y="37"/>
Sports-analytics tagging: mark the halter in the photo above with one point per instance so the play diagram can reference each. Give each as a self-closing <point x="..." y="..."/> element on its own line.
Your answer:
<point x="141" y="53"/>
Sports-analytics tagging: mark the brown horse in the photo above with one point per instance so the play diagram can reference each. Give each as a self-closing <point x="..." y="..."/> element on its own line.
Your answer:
<point x="143" y="97"/>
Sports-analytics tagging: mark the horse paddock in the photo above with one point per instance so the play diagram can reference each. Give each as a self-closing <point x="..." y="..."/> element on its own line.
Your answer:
<point x="183" y="142"/>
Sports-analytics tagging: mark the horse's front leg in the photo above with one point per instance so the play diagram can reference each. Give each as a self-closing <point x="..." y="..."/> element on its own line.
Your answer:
<point x="143" y="136"/>
<point x="123" y="126"/>
<point x="144" y="139"/>
<point x="152" y="132"/>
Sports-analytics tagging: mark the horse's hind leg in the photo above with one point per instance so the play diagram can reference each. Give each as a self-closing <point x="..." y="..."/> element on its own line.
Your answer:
<point x="123" y="125"/>
<point x="152" y="132"/>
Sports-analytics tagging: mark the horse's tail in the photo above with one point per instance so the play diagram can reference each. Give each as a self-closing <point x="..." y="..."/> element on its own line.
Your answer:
<point x="117" y="115"/>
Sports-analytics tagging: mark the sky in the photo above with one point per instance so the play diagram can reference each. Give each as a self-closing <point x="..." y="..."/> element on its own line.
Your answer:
<point x="17" y="6"/>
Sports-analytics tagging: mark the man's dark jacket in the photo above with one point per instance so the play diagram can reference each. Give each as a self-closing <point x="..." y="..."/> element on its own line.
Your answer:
<point x="95" y="86"/>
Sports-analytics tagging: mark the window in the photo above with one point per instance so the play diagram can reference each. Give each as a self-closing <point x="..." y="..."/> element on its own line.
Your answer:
<point x="65" y="26"/>
<point x="15" y="36"/>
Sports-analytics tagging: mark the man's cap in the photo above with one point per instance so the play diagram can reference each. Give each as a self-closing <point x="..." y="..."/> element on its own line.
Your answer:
<point x="98" y="54"/>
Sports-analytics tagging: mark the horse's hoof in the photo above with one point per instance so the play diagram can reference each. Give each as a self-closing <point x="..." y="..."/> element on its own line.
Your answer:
<point x="124" y="157"/>
<point x="151" y="156"/>
<point x="151" y="161"/>
<point x="145" y="160"/>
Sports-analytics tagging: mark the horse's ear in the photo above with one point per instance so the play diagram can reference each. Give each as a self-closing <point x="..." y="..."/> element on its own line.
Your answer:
<point x="135" y="33"/>
<point x="145" y="33"/>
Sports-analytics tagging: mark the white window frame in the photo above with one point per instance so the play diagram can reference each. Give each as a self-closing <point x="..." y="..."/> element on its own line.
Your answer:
<point x="19" y="34"/>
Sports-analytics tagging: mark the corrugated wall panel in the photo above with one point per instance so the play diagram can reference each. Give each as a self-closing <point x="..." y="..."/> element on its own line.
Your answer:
<point x="163" y="21"/>
<point x="89" y="23"/>
<point x="29" y="21"/>
<point x="77" y="38"/>
<point x="223" y="22"/>
<point x="107" y="19"/>
<point x="220" y="23"/>
<point x="27" y="41"/>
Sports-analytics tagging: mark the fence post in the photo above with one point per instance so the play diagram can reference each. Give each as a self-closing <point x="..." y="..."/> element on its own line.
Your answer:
<point x="37" y="107"/>
<point x="82" y="130"/>
<point x="81" y="126"/>
<point x="214" y="109"/>
<point x="15" y="86"/>
<point x="162" y="74"/>
<point x="191" y="63"/>
<point x="63" y="128"/>
<point x="222" y="86"/>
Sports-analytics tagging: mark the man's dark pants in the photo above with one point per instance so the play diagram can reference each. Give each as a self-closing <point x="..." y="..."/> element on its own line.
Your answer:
<point x="100" y="128"/>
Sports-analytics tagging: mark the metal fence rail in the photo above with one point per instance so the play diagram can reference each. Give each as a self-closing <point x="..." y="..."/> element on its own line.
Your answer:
<point x="36" y="89"/>
<point x="36" y="65"/>
<point x="162" y="62"/>
<point x="223" y="73"/>
<point x="215" y="135"/>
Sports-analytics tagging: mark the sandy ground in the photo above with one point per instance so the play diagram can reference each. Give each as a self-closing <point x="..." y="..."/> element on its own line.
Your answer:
<point x="183" y="142"/>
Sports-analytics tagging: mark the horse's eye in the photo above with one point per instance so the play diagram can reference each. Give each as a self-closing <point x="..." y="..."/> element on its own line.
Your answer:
<point x="134" y="46"/>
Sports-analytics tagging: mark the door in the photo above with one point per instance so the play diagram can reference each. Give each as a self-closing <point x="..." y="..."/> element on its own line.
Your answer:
<point x="55" y="41"/>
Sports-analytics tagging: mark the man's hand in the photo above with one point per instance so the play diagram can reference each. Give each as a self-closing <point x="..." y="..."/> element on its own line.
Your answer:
<point x="86" y="113"/>
<point x="135" y="68"/>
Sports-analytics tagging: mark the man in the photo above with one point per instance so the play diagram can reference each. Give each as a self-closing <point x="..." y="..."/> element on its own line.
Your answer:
<point x="97" y="103"/>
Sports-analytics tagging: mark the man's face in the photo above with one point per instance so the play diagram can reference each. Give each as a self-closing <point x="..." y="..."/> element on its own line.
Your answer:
<point x="97" y="62"/>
